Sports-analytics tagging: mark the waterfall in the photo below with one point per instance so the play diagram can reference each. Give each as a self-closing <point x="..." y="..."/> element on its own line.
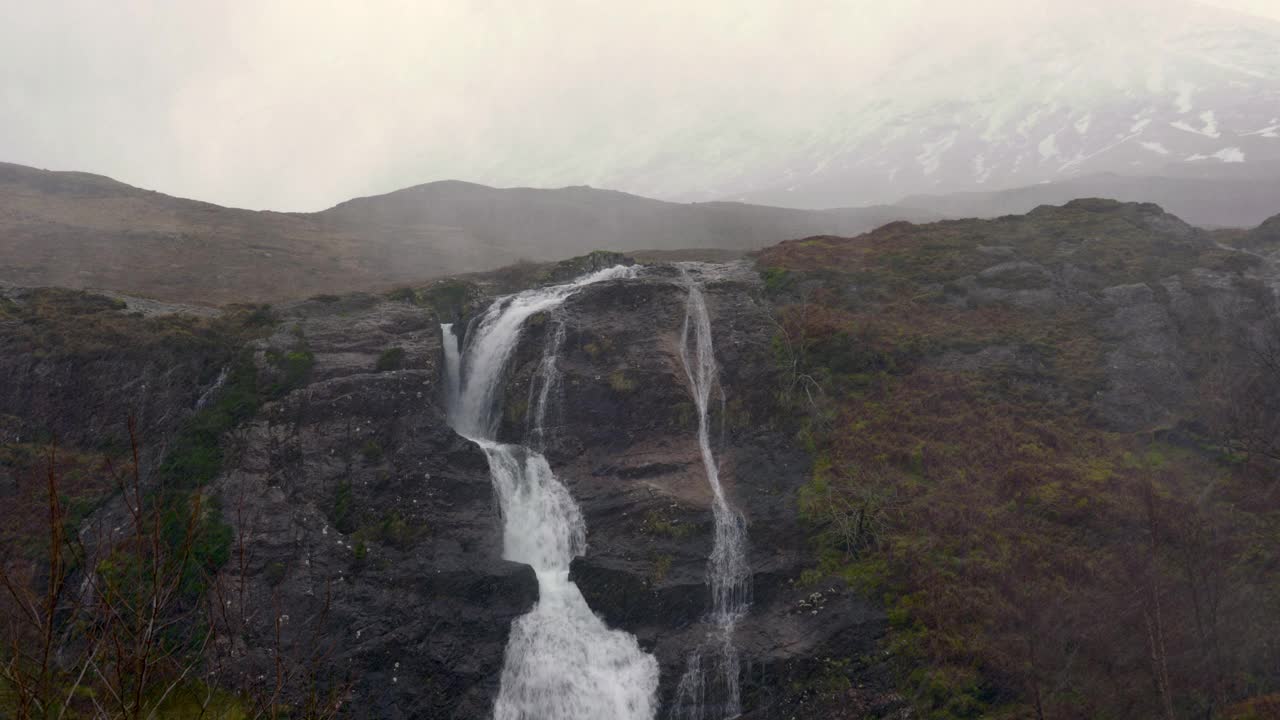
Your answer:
<point x="711" y="692"/>
<point x="452" y="367"/>
<point x="562" y="662"/>
<point x="545" y="381"/>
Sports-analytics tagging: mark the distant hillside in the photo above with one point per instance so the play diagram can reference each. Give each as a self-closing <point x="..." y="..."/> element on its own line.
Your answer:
<point x="1265" y="237"/>
<point x="80" y="230"/>
<point x="1219" y="200"/>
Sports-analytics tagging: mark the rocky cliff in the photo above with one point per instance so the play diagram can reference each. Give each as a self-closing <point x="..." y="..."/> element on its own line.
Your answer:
<point x="938" y="435"/>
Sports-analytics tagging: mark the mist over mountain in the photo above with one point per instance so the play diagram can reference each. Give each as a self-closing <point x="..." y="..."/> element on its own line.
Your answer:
<point x="1209" y="200"/>
<point x="1173" y="89"/>
<point x="838" y="105"/>
<point x="81" y="230"/>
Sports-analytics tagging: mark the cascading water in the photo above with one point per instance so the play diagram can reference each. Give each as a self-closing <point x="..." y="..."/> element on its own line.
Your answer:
<point x="562" y="662"/>
<point x="452" y="367"/>
<point x="711" y="692"/>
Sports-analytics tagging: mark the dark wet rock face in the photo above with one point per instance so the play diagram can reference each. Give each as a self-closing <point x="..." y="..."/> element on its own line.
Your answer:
<point x="371" y="525"/>
<point x="367" y="532"/>
<point x="622" y="435"/>
<point x="77" y="366"/>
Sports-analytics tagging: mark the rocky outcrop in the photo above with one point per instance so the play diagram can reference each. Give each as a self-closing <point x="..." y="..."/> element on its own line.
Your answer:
<point x="370" y="527"/>
<point x="622" y="436"/>
<point x="77" y="366"/>
<point x="1181" y="295"/>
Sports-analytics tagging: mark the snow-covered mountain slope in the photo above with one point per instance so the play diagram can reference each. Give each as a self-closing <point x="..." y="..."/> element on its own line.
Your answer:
<point x="978" y="100"/>
<point x="1150" y="89"/>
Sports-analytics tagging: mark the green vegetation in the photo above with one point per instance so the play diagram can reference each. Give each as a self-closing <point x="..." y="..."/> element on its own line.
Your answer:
<point x="293" y="368"/>
<point x="598" y="347"/>
<point x="392" y="529"/>
<point x="776" y="280"/>
<point x="403" y="294"/>
<point x="343" y="514"/>
<point x="657" y="523"/>
<point x="661" y="567"/>
<point x="390" y="359"/>
<point x="621" y="382"/>
<point x="143" y="600"/>
<point x="516" y="409"/>
<point x="371" y="451"/>
<point x="449" y="298"/>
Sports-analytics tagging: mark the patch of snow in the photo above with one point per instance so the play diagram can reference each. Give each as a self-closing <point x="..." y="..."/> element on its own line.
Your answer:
<point x="1030" y="121"/>
<point x="930" y="158"/>
<point x="1082" y="124"/>
<point x="1183" y="98"/>
<point x="1266" y="132"/>
<point x="1218" y="62"/>
<point x="1210" y="124"/>
<point x="1226" y="155"/>
<point x="1120" y="140"/>
<point x="1049" y="146"/>
<point x="1210" y="128"/>
<point x="1230" y="155"/>
<point x="1155" y="147"/>
<point x="981" y="173"/>
<point x="1138" y="126"/>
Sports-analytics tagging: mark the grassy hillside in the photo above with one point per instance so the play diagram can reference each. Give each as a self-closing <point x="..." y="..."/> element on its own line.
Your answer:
<point x="86" y="231"/>
<point x="1027" y="443"/>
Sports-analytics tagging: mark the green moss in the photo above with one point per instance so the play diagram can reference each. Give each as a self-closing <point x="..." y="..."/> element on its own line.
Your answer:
<point x="403" y="294"/>
<point x="343" y="514"/>
<point x="598" y="347"/>
<point x="294" y="368"/>
<point x="371" y="451"/>
<point x="449" y="298"/>
<point x="392" y="529"/>
<point x="684" y="414"/>
<point x="776" y="280"/>
<point x="661" y="567"/>
<point x="621" y="382"/>
<point x="656" y="523"/>
<point x="516" y="409"/>
<point x="737" y="415"/>
<point x="395" y="530"/>
<point x="390" y="359"/>
<point x="275" y="573"/>
<point x="197" y="700"/>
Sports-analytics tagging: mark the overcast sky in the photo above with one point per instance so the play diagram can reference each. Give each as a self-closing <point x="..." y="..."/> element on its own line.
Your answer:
<point x="299" y="104"/>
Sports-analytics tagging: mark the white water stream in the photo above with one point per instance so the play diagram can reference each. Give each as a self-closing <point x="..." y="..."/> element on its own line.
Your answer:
<point x="562" y="662"/>
<point x="709" y="688"/>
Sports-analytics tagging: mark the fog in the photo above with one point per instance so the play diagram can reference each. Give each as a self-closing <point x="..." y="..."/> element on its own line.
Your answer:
<point x="298" y="105"/>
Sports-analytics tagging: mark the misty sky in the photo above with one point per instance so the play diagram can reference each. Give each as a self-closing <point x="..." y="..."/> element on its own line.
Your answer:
<point x="299" y="104"/>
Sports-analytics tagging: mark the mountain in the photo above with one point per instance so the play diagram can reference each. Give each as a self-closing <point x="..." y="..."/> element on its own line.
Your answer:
<point x="1142" y="88"/>
<point x="1220" y="200"/>
<point x="1266" y="236"/>
<point x="80" y="230"/>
